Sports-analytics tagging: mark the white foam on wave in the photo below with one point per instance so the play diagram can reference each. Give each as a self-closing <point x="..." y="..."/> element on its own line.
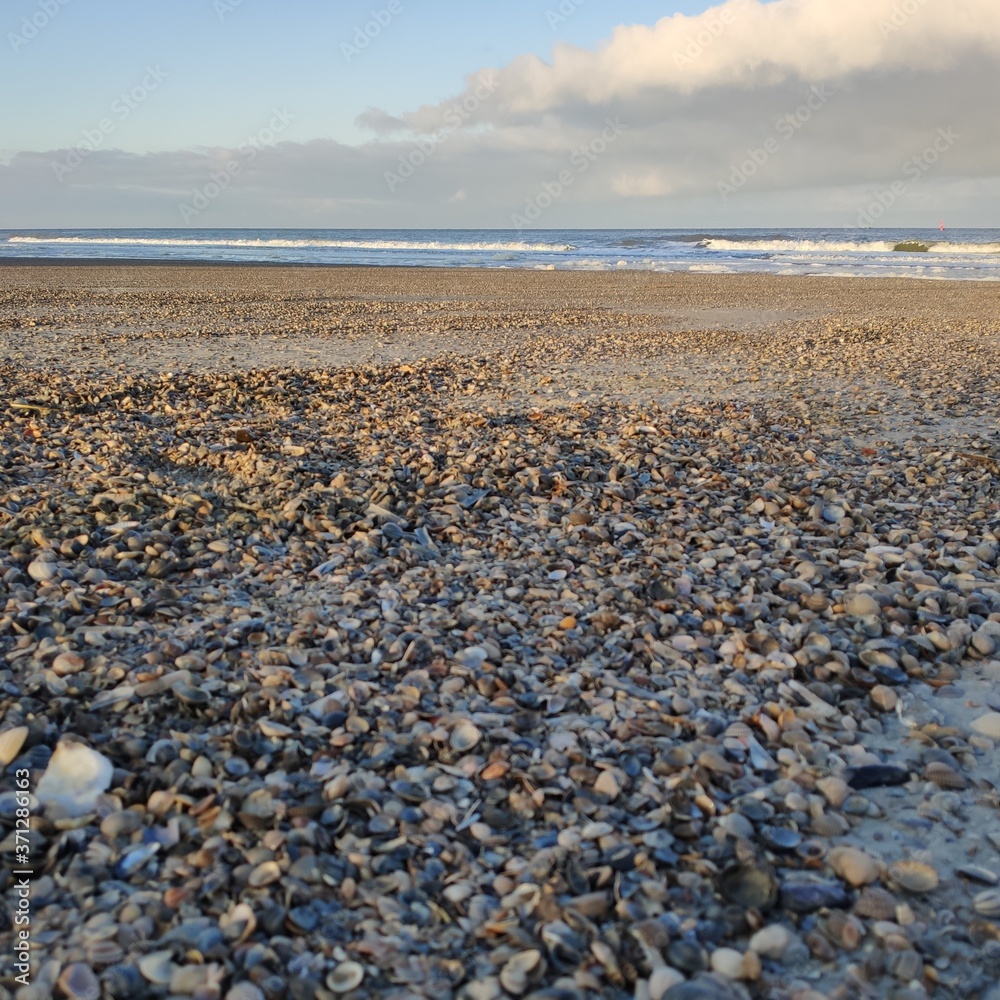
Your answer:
<point x="849" y="246"/>
<point x="138" y="241"/>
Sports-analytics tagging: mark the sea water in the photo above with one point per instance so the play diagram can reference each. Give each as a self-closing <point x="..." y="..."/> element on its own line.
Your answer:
<point x="965" y="254"/>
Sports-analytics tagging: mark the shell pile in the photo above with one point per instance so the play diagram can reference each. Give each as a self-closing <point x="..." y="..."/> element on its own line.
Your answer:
<point x="421" y="679"/>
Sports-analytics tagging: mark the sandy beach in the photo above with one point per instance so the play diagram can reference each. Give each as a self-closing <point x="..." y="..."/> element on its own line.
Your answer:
<point x="452" y="633"/>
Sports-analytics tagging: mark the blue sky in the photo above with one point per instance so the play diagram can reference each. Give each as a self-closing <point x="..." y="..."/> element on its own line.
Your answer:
<point x="741" y="113"/>
<point x="229" y="64"/>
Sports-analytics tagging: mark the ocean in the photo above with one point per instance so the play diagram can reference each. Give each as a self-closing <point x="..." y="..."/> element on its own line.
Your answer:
<point x="963" y="254"/>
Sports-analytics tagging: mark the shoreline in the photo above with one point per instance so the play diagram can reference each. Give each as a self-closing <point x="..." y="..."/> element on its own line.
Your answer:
<point x="139" y="262"/>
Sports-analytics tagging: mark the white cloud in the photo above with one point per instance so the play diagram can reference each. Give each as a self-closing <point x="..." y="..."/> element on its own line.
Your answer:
<point x="699" y="96"/>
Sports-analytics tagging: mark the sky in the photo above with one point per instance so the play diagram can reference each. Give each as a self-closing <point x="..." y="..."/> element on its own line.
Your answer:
<point x="481" y="113"/>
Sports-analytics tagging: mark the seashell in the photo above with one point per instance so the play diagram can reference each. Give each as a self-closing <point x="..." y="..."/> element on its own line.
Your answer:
<point x="772" y="941"/>
<point x="807" y="896"/>
<point x="780" y="838"/>
<point x="345" y="977"/>
<point x="944" y="776"/>
<point x="101" y="954"/>
<point x="465" y="736"/>
<point x="42" y="570"/>
<point x="905" y="965"/>
<point x="134" y="859"/>
<point x="78" y="982"/>
<point x="162" y="752"/>
<point x="749" y="886"/>
<point x="987" y="903"/>
<point x="258" y="811"/>
<point x="245" y="991"/>
<point x="843" y="930"/>
<point x="976" y="873"/>
<point x="157" y="967"/>
<point x="191" y="696"/>
<point x="812" y="852"/>
<point x="876" y="903"/>
<point x="238" y="923"/>
<point x="662" y="980"/>
<point x="66" y="664"/>
<point x="913" y="876"/>
<point x="739" y="731"/>
<point x="121" y="824"/>
<point x="883" y="698"/>
<point x="834" y="790"/>
<point x="273" y="987"/>
<point x="981" y="931"/>
<point x="514" y="976"/>
<point x="862" y="606"/>
<point x="854" y="866"/>
<point x="123" y="982"/>
<point x="75" y="778"/>
<point x="11" y="741"/>
<point x="727" y="962"/>
<point x="264" y="874"/>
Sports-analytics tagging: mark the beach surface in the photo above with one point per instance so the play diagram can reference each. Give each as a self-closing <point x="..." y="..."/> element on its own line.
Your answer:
<point x="480" y="634"/>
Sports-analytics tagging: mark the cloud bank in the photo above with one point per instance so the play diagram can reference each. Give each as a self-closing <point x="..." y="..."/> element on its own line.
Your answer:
<point x="789" y="112"/>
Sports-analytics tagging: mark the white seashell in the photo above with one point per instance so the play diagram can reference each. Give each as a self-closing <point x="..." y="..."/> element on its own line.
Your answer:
<point x="75" y="778"/>
<point x="157" y="967"/>
<point x="42" y="570"/>
<point x="346" y="977"/>
<point x="465" y="736"/>
<point x="514" y="975"/>
<point x="238" y="923"/>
